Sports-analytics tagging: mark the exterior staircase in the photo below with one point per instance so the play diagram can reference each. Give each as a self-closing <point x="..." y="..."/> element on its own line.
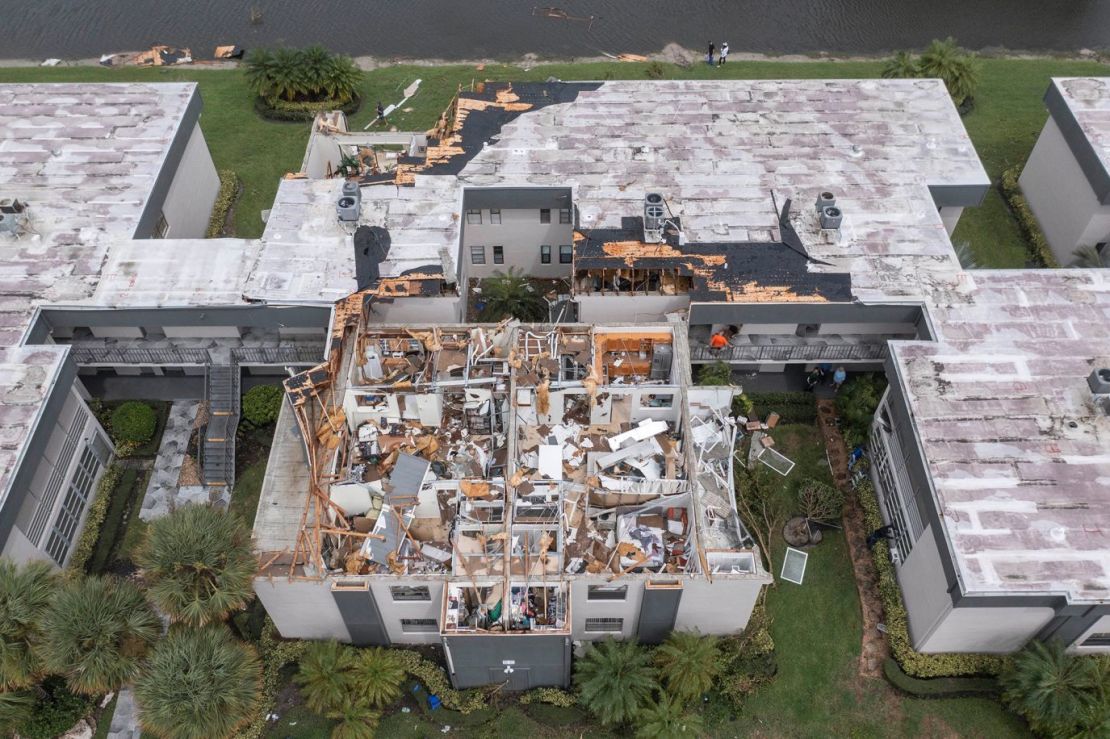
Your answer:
<point x="221" y="390"/>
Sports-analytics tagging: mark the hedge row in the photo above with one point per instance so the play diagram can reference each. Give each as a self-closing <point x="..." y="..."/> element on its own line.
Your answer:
<point x="915" y="664"/>
<point x="94" y="522"/>
<point x="275" y="653"/>
<point x="282" y="110"/>
<point x="229" y="193"/>
<point x="791" y="407"/>
<point x="1035" y="242"/>
<point x="938" y="687"/>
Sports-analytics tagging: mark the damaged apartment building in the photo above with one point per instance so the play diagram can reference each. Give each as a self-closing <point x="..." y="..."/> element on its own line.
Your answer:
<point x="510" y="491"/>
<point x="504" y="490"/>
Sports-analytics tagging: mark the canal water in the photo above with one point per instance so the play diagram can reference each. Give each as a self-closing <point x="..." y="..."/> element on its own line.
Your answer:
<point x="508" y="29"/>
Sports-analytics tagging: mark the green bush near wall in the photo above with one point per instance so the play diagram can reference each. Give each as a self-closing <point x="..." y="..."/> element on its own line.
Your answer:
<point x="938" y="687"/>
<point x="229" y="193"/>
<point x="133" y="422"/>
<point x="791" y="407"/>
<point x="94" y="521"/>
<point x="285" y="111"/>
<point x="262" y="404"/>
<point x="1040" y="253"/>
<point x="914" y="663"/>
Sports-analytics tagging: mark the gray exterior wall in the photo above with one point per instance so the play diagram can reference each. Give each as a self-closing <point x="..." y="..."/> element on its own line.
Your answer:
<point x="47" y="475"/>
<point x="418" y="310"/>
<point x="951" y="217"/>
<point x="536" y="660"/>
<point x="638" y="308"/>
<point x="193" y="191"/>
<point x="302" y="609"/>
<point x="719" y="607"/>
<point x="997" y="630"/>
<point x="1061" y="196"/>
<point x="521" y="234"/>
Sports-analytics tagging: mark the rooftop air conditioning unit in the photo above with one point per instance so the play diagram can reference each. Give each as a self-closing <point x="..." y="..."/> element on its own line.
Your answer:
<point x="825" y="200"/>
<point x="352" y="190"/>
<point x="1099" y="383"/>
<point x="831" y="217"/>
<point x="348" y="209"/>
<point x="654" y="215"/>
<point x="13" y="216"/>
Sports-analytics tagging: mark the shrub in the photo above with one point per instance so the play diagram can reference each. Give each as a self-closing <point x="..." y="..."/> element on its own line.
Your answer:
<point x="615" y="680"/>
<point x="1060" y="694"/>
<point x="26" y="591"/>
<point x="938" y="687"/>
<point x="55" y="712"/>
<point x="655" y="71"/>
<point x="286" y="112"/>
<point x="1040" y="253"/>
<point x="229" y="193"/>
<point x="718" y="373"/>
<point x="298" y="75"/>
<point x="94" y="522"/>
<point x="511" y="294"/>
<point x="262" y="403"/>
<point x="133" y="422"/>
<point x="435" y="681"/>
<point x="791" y="407"/>
<point x="551" y="697"/>
<point x="275" y="654"/>
<point x="687" y="662"/>
<point x="820" y="501"/>
<point x="856" y="403"/>
<point x="748" y="660"/>
<point x="914" y="663"/>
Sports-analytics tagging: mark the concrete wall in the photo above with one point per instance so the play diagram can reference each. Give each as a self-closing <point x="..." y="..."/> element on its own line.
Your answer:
<point x="1102" y="626"/>
<point x="193" y="191"/>
<point x="418" y="310"/>
<point x="641" y="308"/>
<point x="393" y="611"/>
<point x="302" y="609"/>
<point x="719" y="607"/>
<point x="582" y="608"/>
<point x="1061" y="196"/>
<point x="951" y="218"/>
<point x="521" y="234"/>
<point x="993" y="630"/>
<point x="536" y="660"/>
<point x="924" y="588"/>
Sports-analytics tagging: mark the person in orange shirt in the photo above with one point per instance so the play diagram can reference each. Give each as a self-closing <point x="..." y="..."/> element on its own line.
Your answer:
<point x="718" y="341"/>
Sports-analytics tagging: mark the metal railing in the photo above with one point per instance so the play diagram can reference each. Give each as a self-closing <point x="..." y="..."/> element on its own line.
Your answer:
<point x="84" y="355"/>
<point x="291" y="354"/>
<point x="791" y="353"/>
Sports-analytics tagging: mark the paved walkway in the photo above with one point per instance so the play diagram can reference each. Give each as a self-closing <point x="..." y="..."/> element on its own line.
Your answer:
<point x="162" y="490"/>
<point x="875" y="648"/>
<point x="125" y="720"/>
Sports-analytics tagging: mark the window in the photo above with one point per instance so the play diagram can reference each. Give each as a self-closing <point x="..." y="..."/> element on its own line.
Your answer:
<point x="1096" y="640"/>
<point x="545" y="215"/>
<point x="370" y="401"/>
<point x="404" y="593"/>
<point x="545" y="253"/>
<point x="495" y="215"/>
<point x="564" y="215"/>
<point x="566" y="252"/>
<point x="498" y="255"/>
<point x="605" y="624"/>
<point x="419" y="625"/>
<point x="474" y="217"/>
<point x="161" y="228"/>
<point x="606" y="592"/>
<point x="656" y="400"/>
<point x="895" y="487"/>
<point x="73" y="506"/>
<point x="477" y="255"/>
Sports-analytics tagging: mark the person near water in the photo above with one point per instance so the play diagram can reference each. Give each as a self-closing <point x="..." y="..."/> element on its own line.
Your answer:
<point x="709" y="56"/>
<point x="723" y="55"/>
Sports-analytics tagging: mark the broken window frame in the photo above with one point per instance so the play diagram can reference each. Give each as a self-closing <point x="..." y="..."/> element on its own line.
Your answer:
<point x="609" y="593"/>
<point x="410" y="593"/>
<point x="419" y="626"/>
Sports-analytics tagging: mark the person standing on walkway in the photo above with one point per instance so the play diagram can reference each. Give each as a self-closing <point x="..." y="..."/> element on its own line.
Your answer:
<point x="839" y="377"/>
<point x="724" y="54"/>
<point x="709" y="56"/>
<point x="718" y="342"/>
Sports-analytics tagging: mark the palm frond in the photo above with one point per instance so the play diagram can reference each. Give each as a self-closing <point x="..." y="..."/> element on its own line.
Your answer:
<point x="615" y="680"/>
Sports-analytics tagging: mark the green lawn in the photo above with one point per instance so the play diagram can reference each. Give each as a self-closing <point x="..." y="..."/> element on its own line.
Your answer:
<point x="817" y="632"/>
<point x="1005" y="123"/>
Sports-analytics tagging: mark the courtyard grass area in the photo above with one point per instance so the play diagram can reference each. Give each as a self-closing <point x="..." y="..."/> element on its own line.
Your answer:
<point x="817" y="630"/>
<point x="1007" y="118"/>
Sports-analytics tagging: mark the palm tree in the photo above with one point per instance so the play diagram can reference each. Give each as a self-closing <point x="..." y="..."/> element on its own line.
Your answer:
<point x="510" y="294"/>
<point x="688" y="661"/>
<point x="25" y="593"/>
<point x="314" y="63"/>
<point x="325" y="676"/>
<point x="666" y="718"/>
<point x="198" y="564"/>
<point x="1092" y="257"/>
<point x="15" y="708"/>
<point x="198" y="684"/>
<point x="901" y="65"/>
<point x="96" y="633"/>
<point x="615" y="680"/>
<point x="1052" y="688"/>
<point x="341" y="79"/>
<point x="377" y="676"/>
<point x="287" y="75"/>
<point x="356" y="720"/>
<point x="957" y="68"/>
<point x="257" y="66"/>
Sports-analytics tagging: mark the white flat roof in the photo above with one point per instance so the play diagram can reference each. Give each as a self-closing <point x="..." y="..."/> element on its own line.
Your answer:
<point x="1018" y="453"/>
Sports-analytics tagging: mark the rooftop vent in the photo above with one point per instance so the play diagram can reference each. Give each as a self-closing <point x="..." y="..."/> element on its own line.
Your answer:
<point x="654" y="215"/>
<point x="13" y="216"/>
<point x="825" y="200"/>
<point x="831" y="217"/>
<point x="1099" y="382"/>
